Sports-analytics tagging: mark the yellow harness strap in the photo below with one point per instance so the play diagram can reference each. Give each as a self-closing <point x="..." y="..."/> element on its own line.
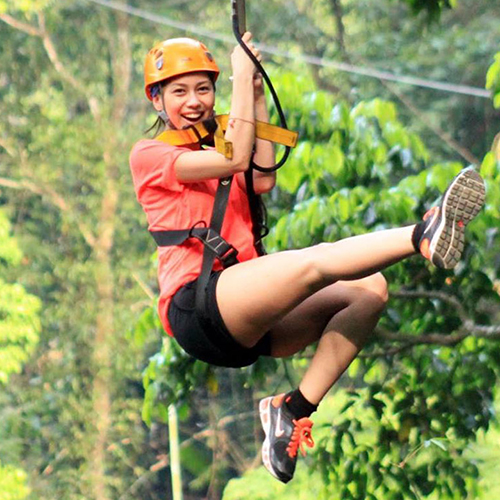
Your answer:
<point x="200" y="131"/>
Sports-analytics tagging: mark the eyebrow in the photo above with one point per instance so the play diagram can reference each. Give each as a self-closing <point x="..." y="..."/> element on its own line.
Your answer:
<point x="184" y="85"/>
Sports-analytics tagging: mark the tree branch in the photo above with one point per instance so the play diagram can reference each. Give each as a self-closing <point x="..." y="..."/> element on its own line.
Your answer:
<point x="41" y="32"/>
<point x="18" y="25"/>
<point x="406" y="341"/>
<point x="442" y="134"/>
<point x="339" y="21"/>
<point x="496" y="147"/>
<point x="54" y="198"/>
<point x="8" y="147"/>
<point x="66" y="76"/>
<point x="442" y="296"/>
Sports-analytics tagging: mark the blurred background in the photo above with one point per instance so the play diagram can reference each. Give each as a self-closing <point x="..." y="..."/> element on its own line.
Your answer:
<point x="391" y="98"/>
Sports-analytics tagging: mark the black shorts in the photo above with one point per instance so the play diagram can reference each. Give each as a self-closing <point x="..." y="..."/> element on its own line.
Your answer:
<point x="208" y="339"/>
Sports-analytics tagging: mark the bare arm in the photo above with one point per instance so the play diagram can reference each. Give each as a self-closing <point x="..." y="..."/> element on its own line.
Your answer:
<point x="264" y="150"/>
<point x="200" y="165"/>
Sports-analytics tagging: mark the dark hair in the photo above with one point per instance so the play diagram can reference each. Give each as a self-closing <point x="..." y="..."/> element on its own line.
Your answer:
<point x="156" y="127"/>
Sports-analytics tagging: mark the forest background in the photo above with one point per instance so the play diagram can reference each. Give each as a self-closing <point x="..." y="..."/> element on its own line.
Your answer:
<point x="86" y="376"/>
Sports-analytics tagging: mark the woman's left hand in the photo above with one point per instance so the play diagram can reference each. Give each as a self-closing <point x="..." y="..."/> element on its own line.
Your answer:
<point x="258" y="87"/>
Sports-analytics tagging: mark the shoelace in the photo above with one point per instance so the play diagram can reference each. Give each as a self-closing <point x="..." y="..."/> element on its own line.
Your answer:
<point x="301" y="435"/>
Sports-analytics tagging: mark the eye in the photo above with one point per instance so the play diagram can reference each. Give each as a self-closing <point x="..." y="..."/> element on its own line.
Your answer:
<point x="178" y="91"/>
<point x="204" y="89"/>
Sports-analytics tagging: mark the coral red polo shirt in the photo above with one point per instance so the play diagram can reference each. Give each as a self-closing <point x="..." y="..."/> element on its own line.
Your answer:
<point x="171" y="204"/>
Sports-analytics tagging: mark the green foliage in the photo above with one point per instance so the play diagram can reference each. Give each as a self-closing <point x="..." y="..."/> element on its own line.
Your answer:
<point x="19" y="312"/>
<point x="325" y="182"/>
<point x="493" y="80"/>
<point x="175" y="385"/>
<point x="486" y="451"/>
<point x="260" y="485"/>
<point x="358" y="167"/>
<point x="84" y="249"/>
<point x="402" y="428"/>
<point x="19" y="333"/>
<point x="433" y="8"/>
<point x="13" y="483"/>
<point x="19" y="328"/>
<point x="418" y="400"/>
<point x="9" y="249"/>
<point x="24" y="6"/>
<point x="173" y="377"/>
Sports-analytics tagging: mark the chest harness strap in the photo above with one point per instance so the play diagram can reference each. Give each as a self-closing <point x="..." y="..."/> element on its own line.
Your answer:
<point x="215" y="246"/>
<point x="214" y="128"/>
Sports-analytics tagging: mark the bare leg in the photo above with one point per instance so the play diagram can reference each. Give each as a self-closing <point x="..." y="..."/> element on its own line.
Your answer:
<point x="341" y="342"/>
<point x="254" y="296"/>
<point x="334" y="293"/>
<point x="341" y="316"/>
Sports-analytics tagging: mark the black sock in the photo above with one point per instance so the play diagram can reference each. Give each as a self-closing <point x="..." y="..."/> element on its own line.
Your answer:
<point x="298" y="405"/>
<point x="417" y="234"/>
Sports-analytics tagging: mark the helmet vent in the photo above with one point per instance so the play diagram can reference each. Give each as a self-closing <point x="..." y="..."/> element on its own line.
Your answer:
<point x="158" y="55"/>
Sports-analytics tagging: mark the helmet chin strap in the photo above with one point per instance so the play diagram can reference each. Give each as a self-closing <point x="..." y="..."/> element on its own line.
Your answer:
<point x="164" y="117"/>
<point x="163" y="114"/>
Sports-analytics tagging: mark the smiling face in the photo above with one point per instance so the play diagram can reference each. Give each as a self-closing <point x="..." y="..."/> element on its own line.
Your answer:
<point x="187" y="99"/>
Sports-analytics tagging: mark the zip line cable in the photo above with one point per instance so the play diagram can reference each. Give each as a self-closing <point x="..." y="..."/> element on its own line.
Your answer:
<point x="317" y="61"/>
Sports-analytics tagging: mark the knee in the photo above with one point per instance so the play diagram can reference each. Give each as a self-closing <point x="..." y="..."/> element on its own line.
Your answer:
<point x="376" y="290"/>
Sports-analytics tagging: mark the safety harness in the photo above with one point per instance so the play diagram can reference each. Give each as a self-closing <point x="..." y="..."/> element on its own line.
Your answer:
<point x="212" y="131"/>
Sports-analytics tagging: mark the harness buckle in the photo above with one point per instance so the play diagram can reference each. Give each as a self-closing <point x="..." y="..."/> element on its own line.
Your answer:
<point x="230" y="257"/>
<point x="224" y="251"/>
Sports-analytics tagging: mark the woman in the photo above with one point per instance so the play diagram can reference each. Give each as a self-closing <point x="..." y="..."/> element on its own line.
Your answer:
<point x="271" y="305"/>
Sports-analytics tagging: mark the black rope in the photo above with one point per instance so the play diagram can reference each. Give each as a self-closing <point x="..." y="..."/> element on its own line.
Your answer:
<point x="237" y="25"/>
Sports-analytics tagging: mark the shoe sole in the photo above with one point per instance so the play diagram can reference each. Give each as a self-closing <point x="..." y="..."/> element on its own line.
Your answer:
<point x="265" y="420"/>
<point x="462" y="201"/>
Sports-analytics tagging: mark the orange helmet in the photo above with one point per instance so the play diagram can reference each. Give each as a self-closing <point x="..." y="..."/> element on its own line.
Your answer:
<point x="174" y="57"/>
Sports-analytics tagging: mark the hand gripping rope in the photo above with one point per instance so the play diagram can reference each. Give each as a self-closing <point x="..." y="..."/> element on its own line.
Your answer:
<point x="239" y="28"/>
<point x="214" y="245"/>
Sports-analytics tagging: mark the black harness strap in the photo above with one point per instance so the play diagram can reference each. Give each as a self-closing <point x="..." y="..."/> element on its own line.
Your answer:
<point x="258" y="214"/>
<point x="218" y="211"/>
<point x="223" y="250"/>
<point x="215" y="246"/>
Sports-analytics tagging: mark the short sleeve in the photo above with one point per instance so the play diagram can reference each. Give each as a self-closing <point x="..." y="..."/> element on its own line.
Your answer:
<point x="152" y="165"/>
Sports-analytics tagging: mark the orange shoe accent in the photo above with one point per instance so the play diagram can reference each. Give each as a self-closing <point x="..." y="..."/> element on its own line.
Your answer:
<point x="461" y="223"/>
<point x="276" y="401"/>
<point x="301" y="435"/>
<point x="425" y="248"/>
<point x="429" y="213"/>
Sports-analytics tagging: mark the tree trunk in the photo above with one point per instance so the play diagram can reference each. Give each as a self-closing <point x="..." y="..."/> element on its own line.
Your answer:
<point x="337" y="12"/>
<point x="104" y="275"/>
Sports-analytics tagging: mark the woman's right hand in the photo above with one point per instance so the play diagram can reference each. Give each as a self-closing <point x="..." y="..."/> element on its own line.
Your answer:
<point x="241" y="63"/>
